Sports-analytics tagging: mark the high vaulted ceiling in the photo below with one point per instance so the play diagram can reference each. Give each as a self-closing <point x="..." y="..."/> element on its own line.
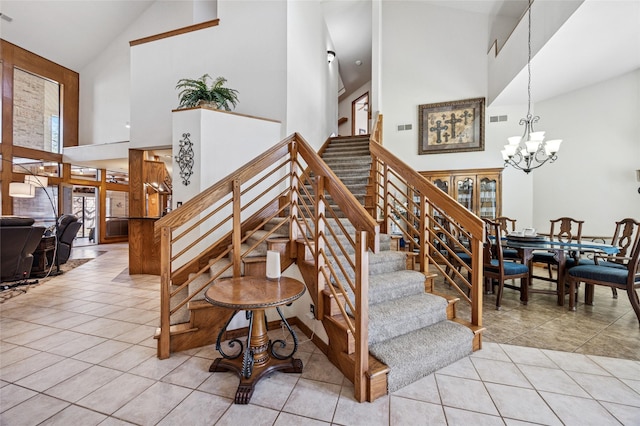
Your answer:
<point x="72" y="33"/>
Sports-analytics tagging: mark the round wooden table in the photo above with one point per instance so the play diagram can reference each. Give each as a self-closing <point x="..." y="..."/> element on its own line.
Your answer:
<point x="258" y="356"/>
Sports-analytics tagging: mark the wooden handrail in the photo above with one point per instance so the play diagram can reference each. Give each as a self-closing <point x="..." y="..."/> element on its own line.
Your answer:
<point x="469" y="221"/>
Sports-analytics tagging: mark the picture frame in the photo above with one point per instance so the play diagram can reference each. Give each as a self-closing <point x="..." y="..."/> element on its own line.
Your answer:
<point x="436" y="134"/>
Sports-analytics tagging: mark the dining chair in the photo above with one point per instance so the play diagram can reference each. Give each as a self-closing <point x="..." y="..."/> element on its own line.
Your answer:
<point x="618" y="272"/>
<point x="564" y="229"/>
<point x="623" y="238"/>
<point x="497" y="268"/>
<point x="507" y="226"/>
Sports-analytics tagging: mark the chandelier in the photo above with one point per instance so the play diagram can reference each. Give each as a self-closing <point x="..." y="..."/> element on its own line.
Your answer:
<point x="529" y="151"/>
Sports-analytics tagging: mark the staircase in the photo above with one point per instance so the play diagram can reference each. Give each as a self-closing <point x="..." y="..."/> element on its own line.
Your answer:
<point x="411" y="331"/>
<point x="386" y="327"/>
<point x="350" y="160"/>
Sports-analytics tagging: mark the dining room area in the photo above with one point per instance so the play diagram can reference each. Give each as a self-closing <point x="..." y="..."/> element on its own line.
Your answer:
<point x="571" y="294"/>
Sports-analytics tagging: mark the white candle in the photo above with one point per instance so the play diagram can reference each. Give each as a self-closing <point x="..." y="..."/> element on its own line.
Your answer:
<point x="273" y="265"/>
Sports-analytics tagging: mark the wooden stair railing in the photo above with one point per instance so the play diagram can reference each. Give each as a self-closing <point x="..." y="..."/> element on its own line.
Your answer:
<point x="215" y="225"/>
<point x="432" y="223"/>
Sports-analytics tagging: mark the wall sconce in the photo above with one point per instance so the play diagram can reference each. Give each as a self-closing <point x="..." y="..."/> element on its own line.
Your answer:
<point x="330" y="55"/>
<point x="638" y="178"/>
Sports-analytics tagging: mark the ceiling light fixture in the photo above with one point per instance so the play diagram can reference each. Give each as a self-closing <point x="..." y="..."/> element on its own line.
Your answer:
<point x="330" y="55"/>
<point x="529" y="151"/>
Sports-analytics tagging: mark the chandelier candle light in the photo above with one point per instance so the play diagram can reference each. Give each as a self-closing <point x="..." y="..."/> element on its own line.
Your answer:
<point x="529" y="151"/>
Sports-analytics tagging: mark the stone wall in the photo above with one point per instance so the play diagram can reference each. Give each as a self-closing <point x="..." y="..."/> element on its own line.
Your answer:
<point x="35" y="109"/>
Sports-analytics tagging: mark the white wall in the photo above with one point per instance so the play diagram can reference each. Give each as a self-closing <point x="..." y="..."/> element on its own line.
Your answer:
<point x="222" y="143"/>
<point x="255" y="66"/>
<point x="425" y="61"/>
<point x="441" y="69"/>
<point x="594" y="176"/>
<point x="312" y="83"/>
<point x="344" y="108"/>
<point x="105" y="84"/>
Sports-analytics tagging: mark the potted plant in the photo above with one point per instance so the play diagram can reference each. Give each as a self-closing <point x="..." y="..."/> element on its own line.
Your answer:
<point x="198" y="92"/>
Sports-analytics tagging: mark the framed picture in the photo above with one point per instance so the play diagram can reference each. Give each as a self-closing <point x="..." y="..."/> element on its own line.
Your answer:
<point x="455" y="126"/>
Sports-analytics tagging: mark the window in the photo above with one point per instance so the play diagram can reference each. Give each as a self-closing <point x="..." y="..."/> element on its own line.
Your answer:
<point x="36" y="112"/>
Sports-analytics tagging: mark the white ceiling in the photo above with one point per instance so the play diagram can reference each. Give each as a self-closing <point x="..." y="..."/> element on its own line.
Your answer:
<point x="601" y="40"/>
<point x="68" y="32"/>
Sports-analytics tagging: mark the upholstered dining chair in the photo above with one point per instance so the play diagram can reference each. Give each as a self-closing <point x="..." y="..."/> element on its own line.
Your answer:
<point x="621" y="271"/>
<point x="623" y="238"/>
<point x="497" y="268"/>
<point x="564" y="229"/>
<point x="507" y="226"/>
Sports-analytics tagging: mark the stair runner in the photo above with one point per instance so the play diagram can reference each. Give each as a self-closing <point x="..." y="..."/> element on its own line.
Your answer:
<point x="350" y="160"/>
<point x="408" y="328"/>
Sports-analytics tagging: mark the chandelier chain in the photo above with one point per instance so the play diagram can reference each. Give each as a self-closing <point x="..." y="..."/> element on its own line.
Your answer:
<point x="529" y="64"/>
<point x="529" y="151"/>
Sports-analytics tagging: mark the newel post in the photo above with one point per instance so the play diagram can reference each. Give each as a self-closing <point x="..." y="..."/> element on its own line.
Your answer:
<point x="164" y="341"/>
<point x="362" y="317"/>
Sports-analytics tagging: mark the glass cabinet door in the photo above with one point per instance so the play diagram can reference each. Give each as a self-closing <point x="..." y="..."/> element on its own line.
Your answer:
<point x="464" y="192"/>
<point x="488" y="198"/>
<point x="443" y="184"/>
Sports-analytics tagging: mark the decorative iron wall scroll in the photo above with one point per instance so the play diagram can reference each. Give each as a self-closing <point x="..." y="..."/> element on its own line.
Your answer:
<point x="455" y="126"/>
<point x="185" y="158"/>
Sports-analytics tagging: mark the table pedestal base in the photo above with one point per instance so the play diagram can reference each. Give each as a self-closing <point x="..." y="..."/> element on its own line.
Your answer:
<point x="245" y="389"/>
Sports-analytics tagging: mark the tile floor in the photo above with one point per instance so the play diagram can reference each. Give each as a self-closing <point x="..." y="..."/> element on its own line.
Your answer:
<point x="78" y="350"/>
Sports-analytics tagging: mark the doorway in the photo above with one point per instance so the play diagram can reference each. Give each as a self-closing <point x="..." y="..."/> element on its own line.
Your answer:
<point x="360" y="115"/>
<point x="85" y="207"/>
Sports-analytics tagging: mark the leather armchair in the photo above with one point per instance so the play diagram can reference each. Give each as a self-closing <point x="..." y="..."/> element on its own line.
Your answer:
<point x="66" y="230"/>
<point x="18" y="240"/>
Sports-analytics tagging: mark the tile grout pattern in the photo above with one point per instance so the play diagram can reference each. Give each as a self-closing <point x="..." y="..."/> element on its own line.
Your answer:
<point x="78" y="350"/>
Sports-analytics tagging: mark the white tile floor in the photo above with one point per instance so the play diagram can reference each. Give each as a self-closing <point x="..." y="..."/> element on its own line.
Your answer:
<point x="77" y="350"/>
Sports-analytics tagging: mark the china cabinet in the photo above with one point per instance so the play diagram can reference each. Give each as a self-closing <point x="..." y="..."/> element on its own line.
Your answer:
<point x="479" y="190"/>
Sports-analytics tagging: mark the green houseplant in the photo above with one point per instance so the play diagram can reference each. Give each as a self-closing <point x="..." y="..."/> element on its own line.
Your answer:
<point x="198" y="92"/>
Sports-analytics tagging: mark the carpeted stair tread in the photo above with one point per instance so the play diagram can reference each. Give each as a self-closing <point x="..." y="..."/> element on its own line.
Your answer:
<point x="419" y="353"/>
<point x="272" y="223"/>
<point x="389" y="286"/>
<point x="259" y="235"/>
<point x="394" y="285"/>
<point x="380" y="263"/>
<point x="405" y="314"/>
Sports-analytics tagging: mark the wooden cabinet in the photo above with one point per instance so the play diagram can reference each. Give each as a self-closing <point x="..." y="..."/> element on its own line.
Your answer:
<point x="479" y="190"/>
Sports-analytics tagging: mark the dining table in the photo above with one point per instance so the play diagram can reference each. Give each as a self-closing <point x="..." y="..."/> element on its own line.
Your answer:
<point x="562" y="250"/>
